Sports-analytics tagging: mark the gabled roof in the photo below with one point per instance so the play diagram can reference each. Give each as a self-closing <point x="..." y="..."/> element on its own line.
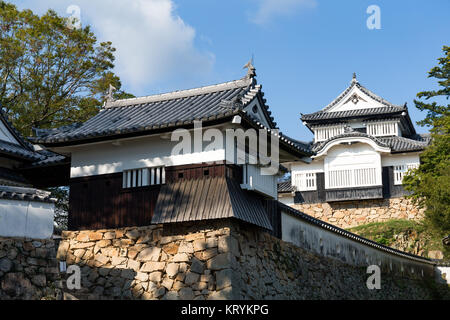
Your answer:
<point x="355" y="83"/>
<point x="165" y="112"/>
<point x="359" y="102"/>
<point x="23" y="150"/>
<point x="161" y="111"/>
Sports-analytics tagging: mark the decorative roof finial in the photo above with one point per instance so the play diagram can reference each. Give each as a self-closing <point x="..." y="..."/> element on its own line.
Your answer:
<point x="250" y="68"/>
<point x="110" y="96"/>
<point x="354" y="77"/>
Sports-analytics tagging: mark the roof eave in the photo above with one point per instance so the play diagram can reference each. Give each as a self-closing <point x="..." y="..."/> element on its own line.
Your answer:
<point x="130" y="134"/>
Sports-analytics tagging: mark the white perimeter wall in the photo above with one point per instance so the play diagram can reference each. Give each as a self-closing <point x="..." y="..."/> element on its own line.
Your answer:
<point x="327" y="243"/>
<point x="26" y="219"/>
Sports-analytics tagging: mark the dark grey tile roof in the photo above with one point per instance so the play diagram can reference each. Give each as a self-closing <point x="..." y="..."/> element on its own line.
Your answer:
<point x="401" y="144"/>
<point x="325" y="115"/>
<point x="306" y="146"/>
<point x="22" y="141"/>
<point x="285" y="186"/>
<point x="349" y="235"/>
<point x="25" y="194"/>
<point x="395" y="143"/>
<point x="292" y="143"/>
<point x="208" y="198"/>
<point x="25" y="150"/>
<point x="10" y="177"/>
<point x="19" y="151"/>
<point x="159" y="111"/>
<point x="166" y="111"/>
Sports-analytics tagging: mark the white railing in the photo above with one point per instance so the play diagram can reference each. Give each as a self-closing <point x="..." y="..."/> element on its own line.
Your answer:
<point x="358" y="177"/>
<point x="325" y="133"/>
<point x="143" y="177"/>
<point x="401" y="170"/>
<point x="253" y="180"/>
<point x="304" y="181"/>
<point x="382" y="128"/>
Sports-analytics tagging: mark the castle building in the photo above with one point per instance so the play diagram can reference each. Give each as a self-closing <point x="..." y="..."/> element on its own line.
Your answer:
<point x="363" y="146"/>
<point x="124" y="171"/>
<point x="172" y="193"/>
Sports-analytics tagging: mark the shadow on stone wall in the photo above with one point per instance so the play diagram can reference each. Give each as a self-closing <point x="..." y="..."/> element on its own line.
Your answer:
<point x="28" y="269"/>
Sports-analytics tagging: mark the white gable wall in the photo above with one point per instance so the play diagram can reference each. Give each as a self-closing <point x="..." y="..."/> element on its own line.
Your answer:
<point x="364" y="102"/>
<point x="259" y="112"/>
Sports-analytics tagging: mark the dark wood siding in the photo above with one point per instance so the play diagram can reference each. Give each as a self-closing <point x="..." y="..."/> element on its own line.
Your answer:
<point x="201" y="170"/>
<point x="359" y="193"/>
<point x="274" y="213"/>
<point x="391" y="190"/>
<point x="315" y="196"/>
<point x="388" y="190"/>
<point x="100" y="202"/>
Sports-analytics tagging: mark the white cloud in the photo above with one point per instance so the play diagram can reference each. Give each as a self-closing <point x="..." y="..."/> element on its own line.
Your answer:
<point x="153" y="43"/>
<point x="269" y="9"/>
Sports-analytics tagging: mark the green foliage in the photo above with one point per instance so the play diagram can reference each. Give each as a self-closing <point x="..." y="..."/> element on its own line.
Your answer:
<point x="385" y="233"/>
<point x="61" y="206"/>
<point x="430" y="183"/>
<point x="51" y="74"/>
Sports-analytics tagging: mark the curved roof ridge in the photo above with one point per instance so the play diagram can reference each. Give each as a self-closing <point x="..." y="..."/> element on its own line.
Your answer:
<point x="339" y="97"/>
<point x="376" y="97"/>
<point x="241" y="83"/>
<point x="317" y="147"/>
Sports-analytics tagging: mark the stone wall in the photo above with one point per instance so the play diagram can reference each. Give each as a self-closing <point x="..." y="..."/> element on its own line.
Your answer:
<point x="222" y="259"/>
<point x="188" y="261"/>
<point x="268" y="268"/>
<point x="354" y="213"/>
<point x="28" y="269"/>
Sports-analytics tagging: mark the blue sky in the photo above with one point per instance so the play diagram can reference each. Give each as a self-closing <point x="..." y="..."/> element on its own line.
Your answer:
<point x="305" y="51"/>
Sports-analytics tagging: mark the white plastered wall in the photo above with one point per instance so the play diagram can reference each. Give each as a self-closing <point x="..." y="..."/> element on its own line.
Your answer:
<point x="399" y="159"/>
<point x="110" y="157"/>
<point x="26" y="219"/>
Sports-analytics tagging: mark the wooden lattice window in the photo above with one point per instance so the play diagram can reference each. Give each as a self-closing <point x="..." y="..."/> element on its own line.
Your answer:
<point x="144" y="177"/>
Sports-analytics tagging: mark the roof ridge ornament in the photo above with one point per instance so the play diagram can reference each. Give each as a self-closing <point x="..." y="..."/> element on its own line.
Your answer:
<point x="354" y="78"/>
<point x="110" y="96"/>
<point x="250" y="69"/>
